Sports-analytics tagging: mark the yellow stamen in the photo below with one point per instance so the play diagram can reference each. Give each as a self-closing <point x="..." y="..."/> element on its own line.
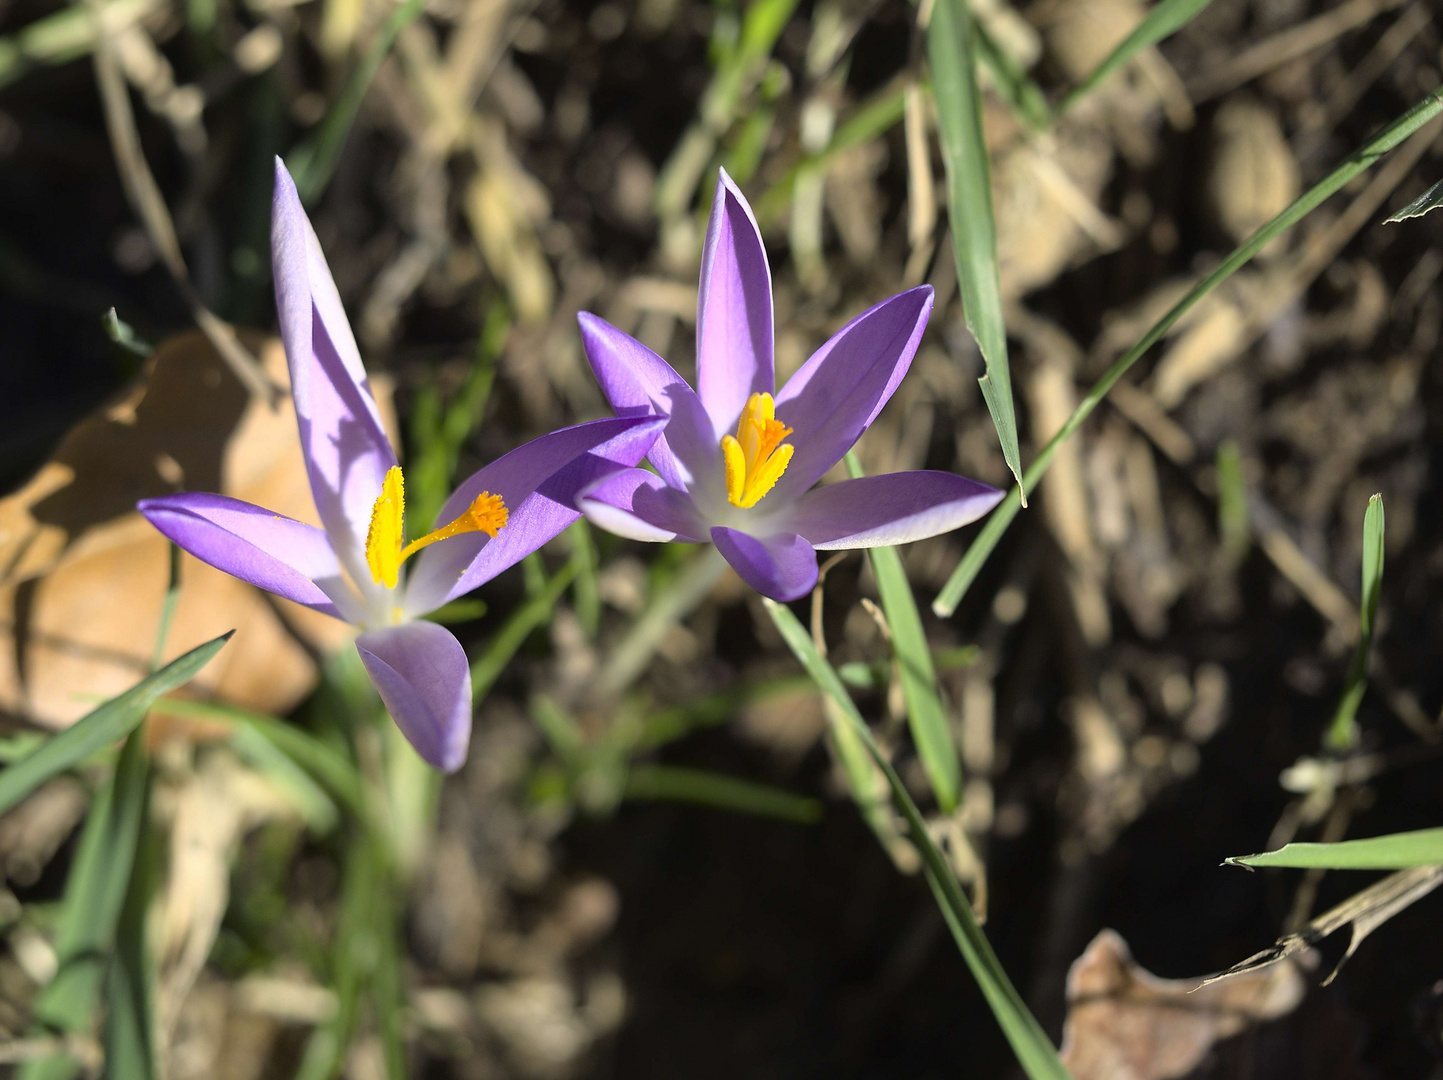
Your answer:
<point x="756" y="457"/>
<point x="384" y="553"/>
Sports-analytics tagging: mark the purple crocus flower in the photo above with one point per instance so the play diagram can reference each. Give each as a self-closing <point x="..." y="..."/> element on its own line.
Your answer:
<point x="352" y="568"/>
<point x="753" y="493"/>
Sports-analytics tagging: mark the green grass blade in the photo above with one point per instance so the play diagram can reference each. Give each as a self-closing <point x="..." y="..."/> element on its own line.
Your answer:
<point x="1163" y="19"/>
<point x="1233" y="526"/>
<point x="1034" y="1050"/>
<point x="1342" y="733"/>
<point x="1017" y="87"/>
<point x="926" y="715"/>
<point x="969" y="202"/>
<point x="335" y="773"/>
<point x="312" y="163"/>
<point x="1429" y="200"/>
<point x="1397" y="851"/>
<point x="673" y="783"/>
<point x="587" y="594"/>
<point x="1359" y="161"/>
<point x="130" y="1021"/>
<point x="870" y="120"/>
<point x="534" y="613"/>
<point x="94" y="897"/>
<point x="108" y="724"/>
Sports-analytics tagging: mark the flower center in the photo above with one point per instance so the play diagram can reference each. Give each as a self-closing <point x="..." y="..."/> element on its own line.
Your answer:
<point x="757" y="457"/>
<point x="384" y="553"/>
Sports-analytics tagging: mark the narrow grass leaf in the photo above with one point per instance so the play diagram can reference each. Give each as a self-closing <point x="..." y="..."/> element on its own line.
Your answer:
<point x="331" y="769"/>
<point x="1397" y="851"/>
<point x="121" y="334"/>
<point x="95" y="894"/>
<point x="969" y="202"/>
<point x="926" y="715"/>
<point x="534" y="613"/>
<point x="111" y="722"/>
<point x="312" y="163"/>
<point x="1342" y="733"/>
<point x="1035" y="1052"/>
<point x="673" y="783"/>
<point x="1233" y="524"/>
<point x="1429" y="200"/>
<point x="1017" y="88"/>
<point x="1163" y="19"/>
<point x="1359" y="161"/>
<point x="130" y="1021"/>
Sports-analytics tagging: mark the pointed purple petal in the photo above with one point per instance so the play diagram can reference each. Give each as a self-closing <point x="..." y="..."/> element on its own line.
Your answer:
<point x="345" y="446"/>
<point x="783" y="567"/>
<point x="421" y="673"/>
<point x="539" y="483"/>
<point x="836" y="394"/>
<point x="896" y="508"/>
<point x="272" y="552"/>
<point x="734" y="311"/>
<point x="640" y="505"/>
<point x="638" y="382"/>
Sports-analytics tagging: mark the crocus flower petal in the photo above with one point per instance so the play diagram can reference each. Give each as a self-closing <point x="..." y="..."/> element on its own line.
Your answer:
<point x="896" y="508"/>
<point x="836" y="394"/>
<point x="638" y="382"/>
<point x="539" y="483"/>
<point x="734" y="311"/>
<point x="345" y="446"/>
<point x="640" y="505"/>
<point x="421" y="673"/>
<point x="783" y="566"/>
<point x="275" y="553"/>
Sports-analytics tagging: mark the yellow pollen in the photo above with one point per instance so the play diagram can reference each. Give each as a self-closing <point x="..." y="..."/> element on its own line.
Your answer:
<point x="384" y="553"/>
<point x="756" y="457"/>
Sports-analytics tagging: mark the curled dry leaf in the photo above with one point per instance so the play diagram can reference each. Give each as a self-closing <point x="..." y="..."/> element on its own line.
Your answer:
<point x="83" y="576"/>
<point x="1124" y="1023"/>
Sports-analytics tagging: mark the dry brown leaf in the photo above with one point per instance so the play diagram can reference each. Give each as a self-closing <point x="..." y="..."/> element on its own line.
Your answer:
<point x="1124" y="1023"/>
<point x="82" y="575"/>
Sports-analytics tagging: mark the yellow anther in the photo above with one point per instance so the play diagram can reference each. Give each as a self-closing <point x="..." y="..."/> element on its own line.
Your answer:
<point x="383" y="538"/>
<point x="756" y="457"/>
<point x="384" y="553"/>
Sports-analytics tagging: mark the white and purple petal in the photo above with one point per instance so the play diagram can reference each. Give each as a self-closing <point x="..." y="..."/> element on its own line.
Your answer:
<point x="837" y="393"/>
<point x="734" y="311"/>
<point x="279" y="554"/>
<point x="638" y="382"/>
<point x="421" y="673"/>
<point x="346" y="449"/>
<point x="783" y="566"/>
<point x="539" y="483"/>
<point x="894" y="508"/>
<point x="640" y="505"/>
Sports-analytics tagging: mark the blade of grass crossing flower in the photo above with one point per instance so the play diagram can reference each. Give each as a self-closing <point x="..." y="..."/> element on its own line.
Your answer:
<point x="1429" y="200"/>
<point x="1343" y="732"/>
<point x="969" y="202"/>
<point x="1163" y="19"/>
<point x="1397" y="851"/>
<point x="312" y="163"/>
<point x="926" y="715"/>
<point x="673" y="783"/>
<point x="1035" y="1052"/>
<point x="534" y="613"/>
<point x="95" y="893"/>
<point x="104" y="726"/>
<point x="167" y="609"/>
<point x="1358" y="162"/>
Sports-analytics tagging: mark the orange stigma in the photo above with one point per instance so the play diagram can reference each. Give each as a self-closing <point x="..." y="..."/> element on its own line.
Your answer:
<point x="384" y="552"/>
<point x="756" y="457"/>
